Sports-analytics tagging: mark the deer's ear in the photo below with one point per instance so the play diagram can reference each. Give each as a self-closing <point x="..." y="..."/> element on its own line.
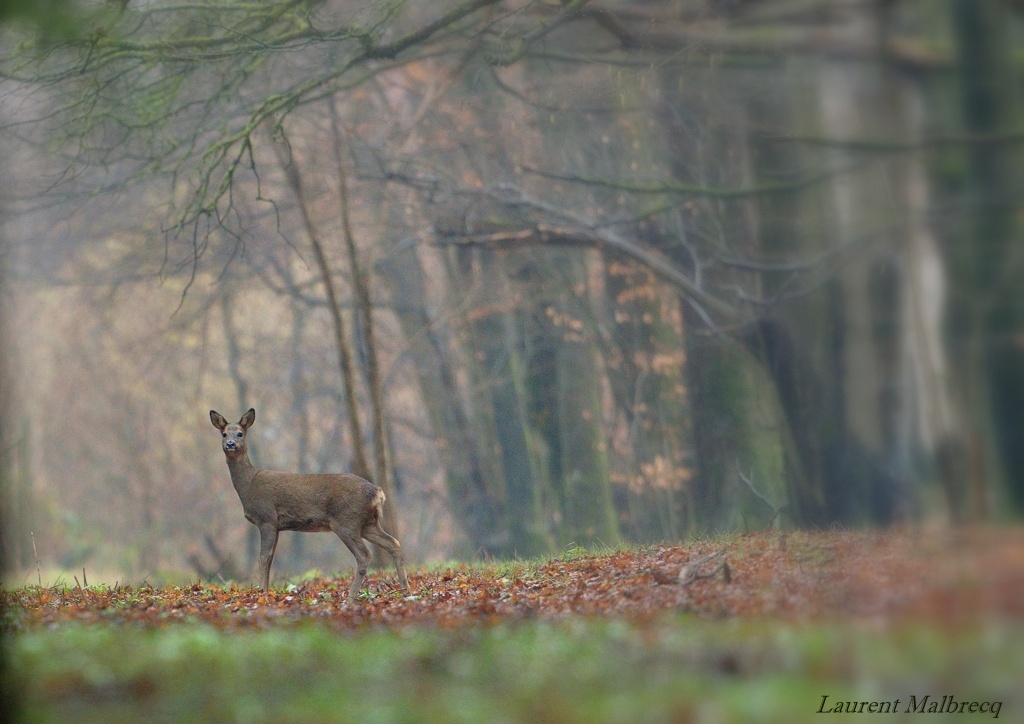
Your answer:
<point x="248" y="419"/>
<point x="218" y="420"/>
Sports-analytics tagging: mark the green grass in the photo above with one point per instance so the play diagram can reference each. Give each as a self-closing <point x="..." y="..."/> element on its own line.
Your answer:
<point x="575" y="670"/>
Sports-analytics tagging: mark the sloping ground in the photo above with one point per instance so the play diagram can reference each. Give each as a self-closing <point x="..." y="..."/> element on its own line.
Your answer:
<point x="950" y="576"/>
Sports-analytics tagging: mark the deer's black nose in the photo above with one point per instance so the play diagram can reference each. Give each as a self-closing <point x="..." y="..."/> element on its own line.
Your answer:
<point x="230" y="444"/>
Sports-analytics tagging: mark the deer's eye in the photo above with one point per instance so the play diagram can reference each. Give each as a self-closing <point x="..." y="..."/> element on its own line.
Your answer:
<point x="239" y="435"/>
<point x="223" y="434"/>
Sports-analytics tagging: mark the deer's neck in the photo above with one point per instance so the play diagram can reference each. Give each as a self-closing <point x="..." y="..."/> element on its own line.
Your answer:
<point x="242" y="473"/>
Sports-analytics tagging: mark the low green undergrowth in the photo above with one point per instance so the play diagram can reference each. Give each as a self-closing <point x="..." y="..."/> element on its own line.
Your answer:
<point x="673" y="669"/>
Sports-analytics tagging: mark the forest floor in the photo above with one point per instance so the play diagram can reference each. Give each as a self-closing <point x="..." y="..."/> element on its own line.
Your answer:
<point x="951" y="576"/>
<point x="784" y="618"/>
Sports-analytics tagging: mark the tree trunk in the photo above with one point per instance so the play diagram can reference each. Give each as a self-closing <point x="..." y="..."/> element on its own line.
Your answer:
<point x="647" y="376"/>
<point x="346" y="368"/>
<point x="502" y="363"/>
<point x="589" y="513"/>
<point x="873" y="200"/>
<point x="727" y="439"/>
<point x="300" y="419"/>
<point x="458" y="441"/>
<point x="853" y="357"/>
<point x="364" y="305"/>
<point x="16" y="499"/>
<point x="227" y="305"/>
<point x="987" y="309"/>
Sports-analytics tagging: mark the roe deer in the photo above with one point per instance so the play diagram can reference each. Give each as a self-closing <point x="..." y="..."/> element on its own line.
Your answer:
<point x="275" y="501"/>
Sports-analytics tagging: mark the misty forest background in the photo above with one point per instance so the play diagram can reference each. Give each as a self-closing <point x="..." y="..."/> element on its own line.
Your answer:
<point x="553" y="274"/>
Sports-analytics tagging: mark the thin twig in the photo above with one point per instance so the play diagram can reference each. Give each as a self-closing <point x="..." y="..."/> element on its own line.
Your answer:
<point x="39" y="574"/>
<point x="776" y="509"/>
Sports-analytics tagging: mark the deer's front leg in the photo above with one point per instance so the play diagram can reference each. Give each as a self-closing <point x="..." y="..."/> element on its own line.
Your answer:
<point x="268" y="544"/>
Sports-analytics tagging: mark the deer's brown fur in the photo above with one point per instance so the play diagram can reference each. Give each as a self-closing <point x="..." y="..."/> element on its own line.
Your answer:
<point x="274" y="501"/>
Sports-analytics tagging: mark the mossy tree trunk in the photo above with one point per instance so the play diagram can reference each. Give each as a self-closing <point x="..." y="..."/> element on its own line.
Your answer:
<point x="496" y="331"/>
<point x="700" y="118"/>
<point x="582" y="472"/>
<point x="461" y="444"/>
<point x="647" y="373"/>
<point x="851" y="353"/>
<point x="987" y="307"/>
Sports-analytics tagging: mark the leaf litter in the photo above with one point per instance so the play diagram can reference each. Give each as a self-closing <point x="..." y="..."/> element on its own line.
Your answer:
<point x="950" y="576"/>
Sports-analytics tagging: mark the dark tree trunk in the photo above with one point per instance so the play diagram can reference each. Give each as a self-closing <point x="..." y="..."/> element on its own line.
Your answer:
<point x="987" y="313"/>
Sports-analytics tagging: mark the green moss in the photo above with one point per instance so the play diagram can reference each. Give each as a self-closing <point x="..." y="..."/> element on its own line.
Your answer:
<point x="674" y="669"/>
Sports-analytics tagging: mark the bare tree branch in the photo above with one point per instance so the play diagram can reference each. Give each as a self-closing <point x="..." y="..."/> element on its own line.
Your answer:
<point x="542" y="235"/>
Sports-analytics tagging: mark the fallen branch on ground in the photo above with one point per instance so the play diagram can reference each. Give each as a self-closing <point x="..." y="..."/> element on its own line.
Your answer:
<point x="691" y="571"/>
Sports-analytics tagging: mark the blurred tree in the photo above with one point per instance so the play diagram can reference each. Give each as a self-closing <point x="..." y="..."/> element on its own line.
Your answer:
<point x="654" y="267"/>
<point x="987" y="306"/>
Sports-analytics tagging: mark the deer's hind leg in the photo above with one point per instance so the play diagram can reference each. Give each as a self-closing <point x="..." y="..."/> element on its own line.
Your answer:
<point x="379" y="537"/>
<point x="355" y="544"/>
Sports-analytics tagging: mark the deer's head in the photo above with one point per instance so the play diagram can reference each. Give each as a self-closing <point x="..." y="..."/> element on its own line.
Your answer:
<point x="233" y="435"/>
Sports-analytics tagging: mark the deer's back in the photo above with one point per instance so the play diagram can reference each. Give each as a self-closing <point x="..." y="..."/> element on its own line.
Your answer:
<point x="312" y="502"/>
